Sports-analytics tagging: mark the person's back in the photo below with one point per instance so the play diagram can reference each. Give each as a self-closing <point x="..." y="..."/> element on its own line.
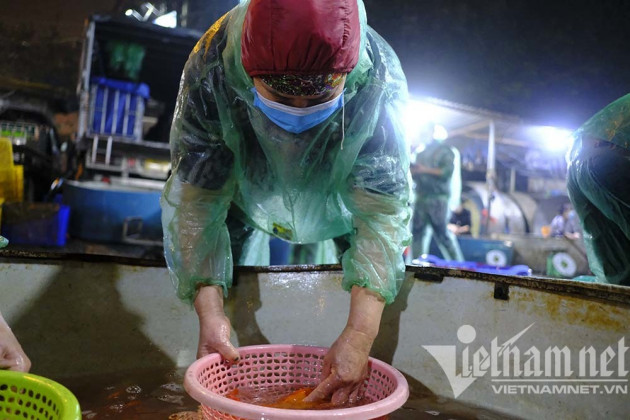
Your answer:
<point x="435" y="171"/>
<point x="597" y="182"/>
<point x="435" y="155"/>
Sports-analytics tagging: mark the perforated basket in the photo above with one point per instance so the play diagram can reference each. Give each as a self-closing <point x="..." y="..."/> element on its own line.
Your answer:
<point x="210" y="378"/>
<point x="26" y="396"/>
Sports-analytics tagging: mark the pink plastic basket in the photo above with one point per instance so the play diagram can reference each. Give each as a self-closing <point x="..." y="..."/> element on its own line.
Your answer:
<point x="209" y="378"/>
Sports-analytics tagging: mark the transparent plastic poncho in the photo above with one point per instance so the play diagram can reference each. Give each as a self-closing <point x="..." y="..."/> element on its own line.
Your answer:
<point x="230" y="164"/>
<point x="597" y="182"/>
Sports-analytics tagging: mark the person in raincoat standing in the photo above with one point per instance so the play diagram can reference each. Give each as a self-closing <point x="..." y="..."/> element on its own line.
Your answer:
<point x="437" y="178"/>
<point x="597" y="181"/>
<point x="288" y="124"/>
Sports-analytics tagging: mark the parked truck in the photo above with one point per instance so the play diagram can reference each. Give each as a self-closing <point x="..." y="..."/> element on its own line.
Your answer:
<point x="128" y="84"/>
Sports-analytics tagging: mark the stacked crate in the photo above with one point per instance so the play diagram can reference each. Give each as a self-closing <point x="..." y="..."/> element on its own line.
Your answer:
<point x="11" y="176"/>
<point x="117" y="108"/>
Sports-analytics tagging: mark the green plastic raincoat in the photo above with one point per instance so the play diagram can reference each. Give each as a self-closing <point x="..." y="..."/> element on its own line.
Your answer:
<point x="597" y="181"/>
<point x="436" y="197"/>
<point x="237" y="177"/>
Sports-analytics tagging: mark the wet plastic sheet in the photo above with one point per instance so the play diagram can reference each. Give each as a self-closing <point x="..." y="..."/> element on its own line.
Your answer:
<point x="598" y="179"/>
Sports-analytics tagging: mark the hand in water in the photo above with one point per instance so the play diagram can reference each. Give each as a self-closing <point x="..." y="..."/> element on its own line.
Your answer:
<point x="345" y="368"/>
<point x="214" y="326"/>
<point x="346" y="364"/>
<point x="12" y="356"/>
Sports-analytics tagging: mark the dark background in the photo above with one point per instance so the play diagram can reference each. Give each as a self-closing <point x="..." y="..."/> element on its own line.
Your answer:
<point x="554" y="62"/>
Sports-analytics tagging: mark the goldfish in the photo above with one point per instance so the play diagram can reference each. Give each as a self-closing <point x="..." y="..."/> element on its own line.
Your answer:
<point x="293" y="401"/>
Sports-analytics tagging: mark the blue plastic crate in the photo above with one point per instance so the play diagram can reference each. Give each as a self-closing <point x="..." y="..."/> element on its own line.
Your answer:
<point x="117" y="107"/>
<point x="43" y="224"/>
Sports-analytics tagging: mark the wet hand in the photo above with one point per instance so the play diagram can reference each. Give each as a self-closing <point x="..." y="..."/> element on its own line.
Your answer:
<point x="12" y="357"/>
<point x="345" y="368"/>
<point x="214" y="336"/>
<point x="214" y="326"/>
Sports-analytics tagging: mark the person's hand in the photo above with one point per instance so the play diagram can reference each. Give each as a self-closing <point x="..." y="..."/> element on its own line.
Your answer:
<point x="12" y="356"/>
<point x="419" y="168"/>
<point x="453" y="228"/>
<point x="346" y="363"/>
<point x="214" y="326"/>
<point x="345" y="368"/>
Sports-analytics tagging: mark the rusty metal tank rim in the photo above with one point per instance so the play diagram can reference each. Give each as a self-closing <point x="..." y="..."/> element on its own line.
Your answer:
<point x="606" y="292"/>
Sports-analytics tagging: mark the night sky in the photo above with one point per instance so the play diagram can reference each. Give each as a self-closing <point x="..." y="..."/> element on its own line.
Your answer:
<point x="554" y="61"/>
<point x="551" y="62"/>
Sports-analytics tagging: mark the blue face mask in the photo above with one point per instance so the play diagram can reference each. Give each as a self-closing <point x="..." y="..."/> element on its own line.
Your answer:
<point x="296" y="120"/>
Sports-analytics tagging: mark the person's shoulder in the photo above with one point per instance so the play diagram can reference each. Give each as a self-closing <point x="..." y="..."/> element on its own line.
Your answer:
<point x="210" y="45"/>
<point x="386" y="66"/>
<point x="377" y="42"/>
<point x="444" y="151"/>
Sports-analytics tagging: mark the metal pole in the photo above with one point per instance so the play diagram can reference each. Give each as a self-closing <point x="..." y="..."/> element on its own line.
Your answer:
<point x="94" y="149"/>
<point x="490" y="174"/>
<point x="84" y="80"/>
<point x="183" y="14"/>
<point x="512" y="180"/>
<point x="108" y="151"/>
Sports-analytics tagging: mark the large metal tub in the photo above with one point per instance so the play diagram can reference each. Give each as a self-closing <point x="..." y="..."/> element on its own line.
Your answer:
<point x="82" y="318"/>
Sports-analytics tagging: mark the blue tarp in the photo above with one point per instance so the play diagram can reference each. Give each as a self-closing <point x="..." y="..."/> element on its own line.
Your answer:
<point x="432" y="260"/>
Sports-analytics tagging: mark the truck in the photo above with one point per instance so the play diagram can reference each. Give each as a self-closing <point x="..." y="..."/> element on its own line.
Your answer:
<point x="128" y="85"/>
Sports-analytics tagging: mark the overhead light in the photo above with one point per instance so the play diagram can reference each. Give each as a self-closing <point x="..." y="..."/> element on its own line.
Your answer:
<point x="417" y="117"/>
<point x="554" y="139"/>
<point x="133" y="13"/>
<point x="168" y="20"/>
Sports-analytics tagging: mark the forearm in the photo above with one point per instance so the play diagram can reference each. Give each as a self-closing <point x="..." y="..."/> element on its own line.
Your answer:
<point x="434" y="171"/>
<point x="374" y="259"/>
<point x="214" y="326"/>
<point x="196" y="240"/>
<point x="366" y="309"/>
<point x="421" y="169"/>
<point x="209" y="301"/>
